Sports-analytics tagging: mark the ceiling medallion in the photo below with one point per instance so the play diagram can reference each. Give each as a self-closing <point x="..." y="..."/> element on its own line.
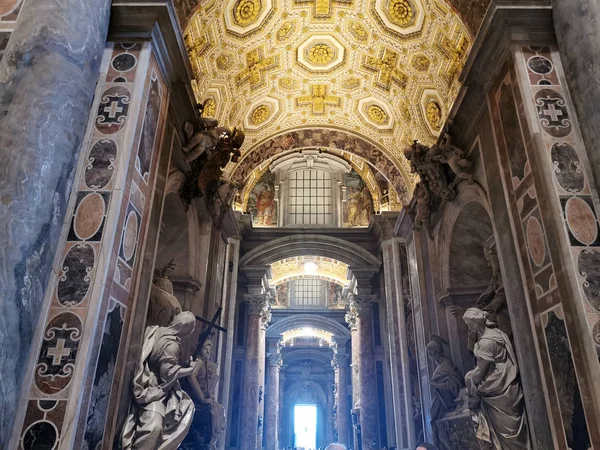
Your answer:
<point x="434" y="114"/>
<point x="225" y="61"/>
<point x="401" y="13"/>
<point x="210" y="108"/>
<point x="243" y="17"/>
<point x="377" y="114"/>
<point x="321" y="54"/>
<point x="403" y="17"/>
<point x="245" y="12"/>
<point x="260" y="114"/>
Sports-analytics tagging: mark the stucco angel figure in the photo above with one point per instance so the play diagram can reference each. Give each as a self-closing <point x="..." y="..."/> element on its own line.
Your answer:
<point x="201" y="386"/>
<point x="455" y="157"/>
<point x="162" y="412"/>
<point x="496" y="398"/>
<point x="203" y="136"/>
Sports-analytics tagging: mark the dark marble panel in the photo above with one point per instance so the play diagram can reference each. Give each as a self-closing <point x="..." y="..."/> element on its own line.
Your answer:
<point x="56" y="361"/>
<point x="577" y="25"/>
<point x="75" y="282"/>
<point x="100" y="167"/>
<point x="565" y="380"/>
<point x="47" y="79"/>
<point x="150" y="128"/>
<point x="4" y="36"/>
<point x="567" y="168"/>
<point x="103" y="377"/>
<point x="588" y="265"/>
<point x="553" y="113"/>
<point x="512" y="131"/>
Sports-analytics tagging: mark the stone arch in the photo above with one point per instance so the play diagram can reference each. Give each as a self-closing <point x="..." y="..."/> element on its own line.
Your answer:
<point x="310" y="244"/>
<point x="295" y="391"/>
<point x="329" y="139"/>
<point x="307" y="320"/>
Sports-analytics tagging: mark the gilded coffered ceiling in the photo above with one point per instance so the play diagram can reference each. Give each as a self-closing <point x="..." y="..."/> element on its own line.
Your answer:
<point x="384" y="70"/>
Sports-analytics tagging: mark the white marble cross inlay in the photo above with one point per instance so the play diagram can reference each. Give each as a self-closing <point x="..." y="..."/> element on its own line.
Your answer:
<point x="59" y="352"/>
<point x="113" y="110"/>
<point x="553" y="112"/>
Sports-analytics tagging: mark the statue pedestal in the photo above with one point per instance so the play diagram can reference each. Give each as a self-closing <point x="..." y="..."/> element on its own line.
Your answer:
<point x="458" y="431"/>
<point x="198" y="438"/>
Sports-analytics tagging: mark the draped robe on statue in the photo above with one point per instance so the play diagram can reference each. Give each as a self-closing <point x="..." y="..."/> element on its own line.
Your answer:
<point x="501" y="415"/>
<point x="163" y="412"/>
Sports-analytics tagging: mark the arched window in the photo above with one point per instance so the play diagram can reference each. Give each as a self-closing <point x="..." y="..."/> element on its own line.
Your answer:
<point x="310" y="197"/>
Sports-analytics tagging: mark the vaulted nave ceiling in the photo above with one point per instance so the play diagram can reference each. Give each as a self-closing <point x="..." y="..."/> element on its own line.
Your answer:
<point x="376" y="72"/>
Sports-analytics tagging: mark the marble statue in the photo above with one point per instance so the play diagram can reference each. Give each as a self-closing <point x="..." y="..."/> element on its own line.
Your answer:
<point x="423" y="208"/>
<point x="208" y="149"/>
<point x="496" y="397"/>
<point x="455" y="157"/>
<point x="430" y="171"/>
<point x="445" y="383"/>
<point x="202" y="385"/>
<point x="161" y="412"/>
<point x="163" y="306"/>
<point x="493" y="299"/>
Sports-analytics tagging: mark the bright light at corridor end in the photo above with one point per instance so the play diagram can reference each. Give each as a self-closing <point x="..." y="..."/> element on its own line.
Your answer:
<point x="310" y="267"/>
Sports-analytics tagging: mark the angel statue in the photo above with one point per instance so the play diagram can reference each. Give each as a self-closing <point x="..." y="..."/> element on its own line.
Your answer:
<point x="161" y="413"/>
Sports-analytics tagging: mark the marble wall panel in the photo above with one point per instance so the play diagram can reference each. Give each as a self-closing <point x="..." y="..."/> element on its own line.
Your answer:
<point x="566" y="165"/>
<point x="107" y="217"/>
<point x="565" y="380"/>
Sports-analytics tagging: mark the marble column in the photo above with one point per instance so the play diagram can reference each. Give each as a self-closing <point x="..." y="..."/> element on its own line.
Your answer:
<point x="577" y="26"/>
<point x="340" y="367"/>
<point x="272" y="401"/>
<point x="330" y="384"/>
<point x="367" y="378"/>
<point x="360" y="317"/>
<point x="253" y="389"/>
<point x="47" y="80"/>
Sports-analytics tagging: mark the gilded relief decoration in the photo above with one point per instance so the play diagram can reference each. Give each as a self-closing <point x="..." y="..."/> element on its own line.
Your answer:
<point x="262" y="202"/>
<point x="295" y="267"/>
<point x="92" y="256"/>
<point x="322" y="57"/>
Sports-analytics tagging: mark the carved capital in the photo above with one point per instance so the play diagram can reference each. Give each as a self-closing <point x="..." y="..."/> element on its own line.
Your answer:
<point x="339" y="361"/>
<point x="364" y="304"/>
<point x="274" y="360"/>
<point x="351" y="316"/>
<point x="257" y="303"/>
<point x="265" y="318"/>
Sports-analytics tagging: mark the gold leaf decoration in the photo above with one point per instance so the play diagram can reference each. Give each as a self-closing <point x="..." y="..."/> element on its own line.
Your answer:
<point x="401" y="13"/>
<point x="260" y="114"/>
<point x="210" y="108"/>
<point x="245" y="12"/>
<point x="434" y="114"/>
<point x="377" y="114"/>
<point x="320" y="54"/>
